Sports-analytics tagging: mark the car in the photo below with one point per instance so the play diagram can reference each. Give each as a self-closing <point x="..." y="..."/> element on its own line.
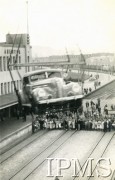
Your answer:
<point x="47" y="86"/>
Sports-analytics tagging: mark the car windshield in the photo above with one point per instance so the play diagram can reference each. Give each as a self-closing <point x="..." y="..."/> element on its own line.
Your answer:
<point x="37" y="77"/>
<point x="26" y="80"/>
<point x="53" y="74"/>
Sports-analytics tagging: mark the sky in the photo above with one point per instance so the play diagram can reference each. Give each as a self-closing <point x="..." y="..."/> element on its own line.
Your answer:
<point x="88" y="24"/>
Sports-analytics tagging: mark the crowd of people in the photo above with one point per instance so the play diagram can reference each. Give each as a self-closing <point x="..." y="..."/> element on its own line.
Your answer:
<point x="79" y="120"/>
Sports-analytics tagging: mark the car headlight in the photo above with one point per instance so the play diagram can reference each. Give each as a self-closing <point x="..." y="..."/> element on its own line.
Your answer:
<point x="41" y="93"/>
<point x="76" y="88"/>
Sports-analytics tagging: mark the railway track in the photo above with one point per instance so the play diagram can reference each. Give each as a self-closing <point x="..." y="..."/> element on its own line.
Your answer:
<point x="98" y="152"/>
<point x="8" y="154"/>
<point x="52" y="147"/>
<point x="45" y="154"/>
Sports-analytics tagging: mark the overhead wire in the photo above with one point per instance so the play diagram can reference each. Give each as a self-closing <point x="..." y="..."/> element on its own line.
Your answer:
<point x="9" y="69"/>
<point x="16" y="60"/>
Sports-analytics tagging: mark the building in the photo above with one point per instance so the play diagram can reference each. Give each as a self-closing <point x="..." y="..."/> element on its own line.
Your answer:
<point x="90" y="59"/>
<point x="24" y="56"/>
<point x="8" y="49"/>
<point x="59" y="58"/>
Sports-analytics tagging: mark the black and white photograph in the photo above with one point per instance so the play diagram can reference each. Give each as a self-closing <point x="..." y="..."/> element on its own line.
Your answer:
<point x="57" y="89"/>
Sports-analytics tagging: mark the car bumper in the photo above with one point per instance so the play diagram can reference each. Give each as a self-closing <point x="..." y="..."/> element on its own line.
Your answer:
<point x="48" y="101"/>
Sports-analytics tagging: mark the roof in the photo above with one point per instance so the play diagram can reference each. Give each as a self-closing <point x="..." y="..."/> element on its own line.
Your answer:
<point x="8" y="100"/>
<point x="42" y="70"/>
<point x="105" y="92"/>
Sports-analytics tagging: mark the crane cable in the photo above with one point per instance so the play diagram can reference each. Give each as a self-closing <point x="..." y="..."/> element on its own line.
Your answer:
<point x="68" y="59"/>
<point x="15" y="63"/>
<point x="9" y="69"/>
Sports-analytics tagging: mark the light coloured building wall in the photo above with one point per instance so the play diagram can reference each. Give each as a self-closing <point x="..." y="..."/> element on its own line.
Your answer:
<point x="101" y="60"/>
<point x="91" y="59"/>
<point x="25" y="55"/>
<point x="63" y="58"/>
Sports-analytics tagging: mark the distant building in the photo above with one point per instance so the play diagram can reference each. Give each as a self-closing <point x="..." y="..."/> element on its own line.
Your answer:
<point x="90" y="59"/>
<point x="59" y="58"/>
<point x="24" y="56"/>
<point x="105" y="59"/>
<point x="98" y="61"/>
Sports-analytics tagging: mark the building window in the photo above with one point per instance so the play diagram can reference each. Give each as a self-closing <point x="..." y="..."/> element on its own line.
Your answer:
<point x="13" y="59"/>
<point x="12" y="86"/>
<point x="28" y="59"/>
<point x="17" y="84"/>
<point x="0" y="63"/>
<point x="11" y="67"/>
<point x="20" y="84"/>
<point x="28" y="39"/>
<point x="5" y="88"/>
<point x="14" y="62"/>
<point x="19" y="62"/>
<point x="4" y="63"/>
<point x="2" y="89"/>
<point x="8" y="87"/>
<point x="7" y="63"/>
<point x="14" y="51"/>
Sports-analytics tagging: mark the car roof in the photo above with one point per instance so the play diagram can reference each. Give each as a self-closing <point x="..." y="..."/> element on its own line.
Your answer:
<point x="41" y="70"/>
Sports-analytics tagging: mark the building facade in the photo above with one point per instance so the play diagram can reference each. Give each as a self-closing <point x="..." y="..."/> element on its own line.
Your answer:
<point x="59" y="58"/>
<point x="95" y="58"/>
<point x="8" y="52"/>
<point x="12" y="43"/>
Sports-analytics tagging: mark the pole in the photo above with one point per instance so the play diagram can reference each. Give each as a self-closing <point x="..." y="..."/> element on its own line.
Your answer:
<point x="26" y="48"/>
<point x="27" y="18"/>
